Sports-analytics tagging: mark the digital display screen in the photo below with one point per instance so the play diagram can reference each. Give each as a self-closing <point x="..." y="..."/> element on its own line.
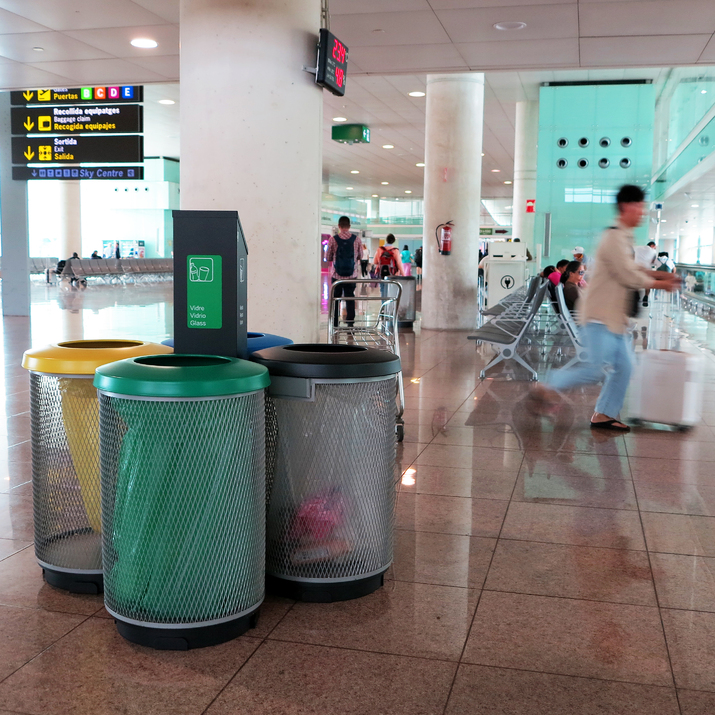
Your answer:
<point x="332" y="63"/>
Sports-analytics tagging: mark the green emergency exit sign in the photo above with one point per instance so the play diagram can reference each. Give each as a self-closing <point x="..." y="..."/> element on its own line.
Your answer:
<point x="486" y="231"/>
<point x="351" y="133"/>
<point x="204" y="292"/>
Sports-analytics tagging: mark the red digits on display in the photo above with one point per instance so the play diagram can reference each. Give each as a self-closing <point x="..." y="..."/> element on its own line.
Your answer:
<point x="339" y="77"/>
<point x="338" y="52"/>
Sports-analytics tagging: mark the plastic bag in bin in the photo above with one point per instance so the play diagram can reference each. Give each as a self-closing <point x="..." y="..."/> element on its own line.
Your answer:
<point x="318" y="516"/>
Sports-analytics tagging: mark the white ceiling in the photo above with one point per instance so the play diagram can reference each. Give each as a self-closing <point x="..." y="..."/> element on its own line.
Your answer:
<point x="393" y="44"/>
<point x="382" y="102"/>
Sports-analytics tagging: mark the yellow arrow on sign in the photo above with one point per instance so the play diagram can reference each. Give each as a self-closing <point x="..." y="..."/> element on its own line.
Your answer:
<point x="28" y="95"/>
<point x="28" y="124"/>
<point x="29" y="153"/>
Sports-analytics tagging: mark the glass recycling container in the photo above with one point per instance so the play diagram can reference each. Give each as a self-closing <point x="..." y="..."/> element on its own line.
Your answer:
<point x="183" y="497"/>
<point x="332" y="472"/>
<point x="64" y="416"/>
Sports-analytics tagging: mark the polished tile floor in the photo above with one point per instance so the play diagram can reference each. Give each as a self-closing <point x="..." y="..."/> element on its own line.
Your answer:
<point x="540" y="569"/>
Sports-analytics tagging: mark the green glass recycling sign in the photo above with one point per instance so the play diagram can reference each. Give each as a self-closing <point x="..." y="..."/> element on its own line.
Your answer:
<point x="204" y="292"/>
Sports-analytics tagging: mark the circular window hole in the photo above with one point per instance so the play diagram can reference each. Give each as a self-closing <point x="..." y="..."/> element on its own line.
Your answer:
<point x="562" y="163"/>
<point x="704" y="141"/>
<point x="582" y="163"/>
<point x="626" y="141"/>
<point x="563" y="142"/>
<point x="604" y="142"/>
<point x="604" y="163"/>
<point x="625" y="163"/>
<point x="583" y="142"/>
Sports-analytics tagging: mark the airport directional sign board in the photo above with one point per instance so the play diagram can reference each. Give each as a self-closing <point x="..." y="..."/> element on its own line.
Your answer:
<point x="76" y="119"/>
<point x="74" y="150"/>
<point x="112" y="172"/>
<point x="77" y="94"/>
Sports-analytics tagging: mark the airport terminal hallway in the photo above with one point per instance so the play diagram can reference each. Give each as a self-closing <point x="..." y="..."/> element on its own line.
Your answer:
<point x="540" y="568"/>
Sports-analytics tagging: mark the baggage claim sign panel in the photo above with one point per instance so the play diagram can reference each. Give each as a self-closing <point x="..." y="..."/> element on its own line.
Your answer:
<point x="65" y="127"/>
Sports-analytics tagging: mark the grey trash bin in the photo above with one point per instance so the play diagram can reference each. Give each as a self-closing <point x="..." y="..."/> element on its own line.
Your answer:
<point x="407" y="312"/>
<point x="331" y="469"/>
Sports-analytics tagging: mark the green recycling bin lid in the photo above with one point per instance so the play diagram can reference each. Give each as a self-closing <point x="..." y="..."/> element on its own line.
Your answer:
<point x="181" y="376"/>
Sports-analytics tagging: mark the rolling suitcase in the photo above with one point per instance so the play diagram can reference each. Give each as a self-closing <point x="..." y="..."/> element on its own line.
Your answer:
<point x="668" y="388"/>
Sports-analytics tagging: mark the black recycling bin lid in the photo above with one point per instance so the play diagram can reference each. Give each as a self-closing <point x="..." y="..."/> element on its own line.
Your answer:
<point x="325" y="361"/>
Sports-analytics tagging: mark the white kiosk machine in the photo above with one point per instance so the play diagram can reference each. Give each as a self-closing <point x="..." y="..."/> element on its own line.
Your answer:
<point x="505" y="270"/>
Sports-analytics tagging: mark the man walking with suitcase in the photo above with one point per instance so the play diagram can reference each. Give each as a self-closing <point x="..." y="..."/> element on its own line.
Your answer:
<point x="606" y="308"/>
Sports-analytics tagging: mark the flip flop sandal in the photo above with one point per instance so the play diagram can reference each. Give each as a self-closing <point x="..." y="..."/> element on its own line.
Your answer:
<point x="614" y="425"/>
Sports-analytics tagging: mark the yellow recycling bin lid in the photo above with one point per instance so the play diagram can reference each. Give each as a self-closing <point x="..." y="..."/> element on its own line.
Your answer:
<point x="83" y="357"/>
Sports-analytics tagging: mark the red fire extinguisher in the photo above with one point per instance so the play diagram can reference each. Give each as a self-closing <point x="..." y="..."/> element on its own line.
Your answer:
<point x="443" y="234"/>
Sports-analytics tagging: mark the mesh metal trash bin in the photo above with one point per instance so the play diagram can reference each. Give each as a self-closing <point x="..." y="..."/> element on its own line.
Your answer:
<point x="332" y="471"/>
<point x="64" y="415"/>
<point x="407" y="311"/>
<point x="256" y="341"/>
<point x="183" y="497"/>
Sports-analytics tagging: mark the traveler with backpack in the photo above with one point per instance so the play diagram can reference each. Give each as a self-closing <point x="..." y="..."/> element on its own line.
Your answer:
<point x="345" y="251"/>
<point x="388" y="262"/>
<point x="387" y="259"/>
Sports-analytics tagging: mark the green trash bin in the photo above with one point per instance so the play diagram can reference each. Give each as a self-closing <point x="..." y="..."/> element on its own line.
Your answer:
<point x="182" y="442"/>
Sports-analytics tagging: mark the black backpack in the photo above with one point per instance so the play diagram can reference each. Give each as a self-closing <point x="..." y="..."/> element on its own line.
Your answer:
<point x="60" y="266"/>
<point x="345" y="256"/>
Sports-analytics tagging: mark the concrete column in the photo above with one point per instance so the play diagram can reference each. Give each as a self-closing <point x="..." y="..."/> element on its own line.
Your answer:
<point x="69" y="220"/>
<point x="13" y="217"/>
<point x="525" y="150"/>
<point x="251" y="141"/>
<point x="453" y="182"/>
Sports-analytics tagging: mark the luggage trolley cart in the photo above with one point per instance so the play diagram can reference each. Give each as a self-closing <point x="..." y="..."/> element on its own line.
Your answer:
<point x="373" y="330"/>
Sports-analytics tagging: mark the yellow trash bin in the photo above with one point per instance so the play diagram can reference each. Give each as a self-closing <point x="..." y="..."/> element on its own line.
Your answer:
<point x="64" y="415"/>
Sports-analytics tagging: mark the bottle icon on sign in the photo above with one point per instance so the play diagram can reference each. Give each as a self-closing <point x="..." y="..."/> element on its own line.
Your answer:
<point x="201" y="270"/>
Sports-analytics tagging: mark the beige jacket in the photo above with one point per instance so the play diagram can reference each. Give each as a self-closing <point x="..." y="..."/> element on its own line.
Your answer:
<point x="615" y="275"/>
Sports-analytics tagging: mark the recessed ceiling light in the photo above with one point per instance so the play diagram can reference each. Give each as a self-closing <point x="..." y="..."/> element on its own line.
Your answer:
<point x="349" y="188"/>
<point x="388" y="146"/>
<point x="703" y="91"/>
<point x="495" y="171"/>
<point x="374" y="196"/>
<point x="694" y="206"/>
<point x="420" y="163"/>
<point x="383" y="197"/>
<point x="144" y="42"/>
<point x="507" y="182"/>
<point x="407" y="191"/>
<point x="378" y="30"/>
<point x="385" y="183"/>
<point x="664" y="220"/>
<point x="509" y="25"/>
<point x="167" y="101"/>
<point x="416" y="94"/>
<point x="39" y="49"/>
<point x="340" y="119"/>
<point x="510" y="207"/>
<point x="354" y="171"/>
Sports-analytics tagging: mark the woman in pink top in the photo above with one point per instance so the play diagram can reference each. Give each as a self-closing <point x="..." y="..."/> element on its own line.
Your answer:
<point x="555" y="277"/>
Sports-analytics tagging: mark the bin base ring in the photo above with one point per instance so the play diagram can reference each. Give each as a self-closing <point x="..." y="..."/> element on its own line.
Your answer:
<point x="326" y="592"/>
<point x="180" y="638"/>
<point x="78" y="582"/>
